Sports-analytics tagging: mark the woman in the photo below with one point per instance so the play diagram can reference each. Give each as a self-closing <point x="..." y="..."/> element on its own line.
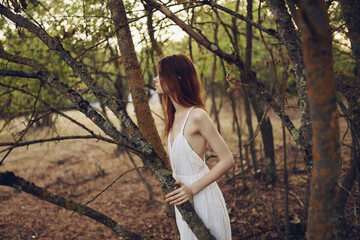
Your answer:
<point x="189" y="129"/>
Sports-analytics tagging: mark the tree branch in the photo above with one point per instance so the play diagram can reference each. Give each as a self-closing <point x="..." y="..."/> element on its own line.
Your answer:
<point x="19" y="184"/>
<point x="21" y="144"/>
<point x="28" y="126"/>
<point x="270" y="32"/>
<point x="23" y="74"/>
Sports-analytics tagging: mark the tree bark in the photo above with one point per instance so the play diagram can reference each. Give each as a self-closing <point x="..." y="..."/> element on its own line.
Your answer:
<point x="135" y="79"/>
<point x="290" y="38"/>
<point x="266" y="134"/>
<point x="214" y="109"/>
<point x="155" y="45"/>
<point x="136" y="83"/>
<point x="119" y="81"/>
<point x="351" y="12"/>
<point x="248" y="57"/>
<point x="318" y="60"/>
<point x="238" y="131"/>
<point x="342" y="227"/>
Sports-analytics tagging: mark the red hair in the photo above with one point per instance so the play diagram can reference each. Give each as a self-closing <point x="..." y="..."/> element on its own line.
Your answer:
<point x="180" y="81"/>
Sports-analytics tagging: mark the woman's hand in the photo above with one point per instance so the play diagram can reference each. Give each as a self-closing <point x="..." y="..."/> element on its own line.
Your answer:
<point x="180" y="195"/>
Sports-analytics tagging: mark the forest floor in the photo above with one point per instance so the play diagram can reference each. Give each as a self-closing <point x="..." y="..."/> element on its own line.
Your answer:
<point x="80" y="169"/>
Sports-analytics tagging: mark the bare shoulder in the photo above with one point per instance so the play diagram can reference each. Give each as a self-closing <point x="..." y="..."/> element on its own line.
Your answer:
<point x="199" y="115"/>
<point x="201" y="118"/>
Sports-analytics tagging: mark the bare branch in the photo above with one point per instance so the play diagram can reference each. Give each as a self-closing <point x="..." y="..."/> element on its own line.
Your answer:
<point x="23" y="74"/>
<point x="19" y="184"/>
<point x="110" y="185"/>
<point x="270" y="32"/>
<point x="27" y="143"/>
<point x="28" y="126"/>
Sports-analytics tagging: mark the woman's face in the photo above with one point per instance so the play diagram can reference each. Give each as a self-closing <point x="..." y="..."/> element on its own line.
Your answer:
<point x="158" y="87"/>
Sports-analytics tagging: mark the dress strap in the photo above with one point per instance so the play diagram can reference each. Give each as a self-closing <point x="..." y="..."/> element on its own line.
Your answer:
<point x="186" y="118"/>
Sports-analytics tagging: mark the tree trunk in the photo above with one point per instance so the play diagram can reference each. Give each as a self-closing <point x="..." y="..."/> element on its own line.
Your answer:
<point x="351" y="12"/>
<point x="342" y="228"/>
<point x="119" y="84"/>
<point x="214" y="108"/>
<point x="121" y="93"/>
<point x="266" y="134"/>
<point x="134" y="77"/>
<point x="238" y="131"/>
<point x="155" y="45"/>
<point x="290" y="38"/>
<point x="286" y="182"/>
<point x="318" y="60"/>
<point x="248" y="56"/>
<point x="236" y="122"/>
<point x="244" y="92"/>
<point x="136" y="83"/>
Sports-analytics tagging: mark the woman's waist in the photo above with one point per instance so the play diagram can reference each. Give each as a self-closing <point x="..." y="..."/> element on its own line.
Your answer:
<point x="193" y="174"/>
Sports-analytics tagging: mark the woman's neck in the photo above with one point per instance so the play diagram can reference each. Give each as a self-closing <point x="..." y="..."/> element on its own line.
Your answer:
<point x="178" y="108"/>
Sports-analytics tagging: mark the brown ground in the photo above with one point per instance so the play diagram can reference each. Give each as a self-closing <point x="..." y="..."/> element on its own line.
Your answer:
<point x="73" y="170"/>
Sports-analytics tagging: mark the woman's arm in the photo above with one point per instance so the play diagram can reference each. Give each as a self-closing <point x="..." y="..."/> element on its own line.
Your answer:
<point x="205" y="126"/>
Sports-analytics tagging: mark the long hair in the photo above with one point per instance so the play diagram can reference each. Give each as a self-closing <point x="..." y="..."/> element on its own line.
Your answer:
<point x="180" y="81"/>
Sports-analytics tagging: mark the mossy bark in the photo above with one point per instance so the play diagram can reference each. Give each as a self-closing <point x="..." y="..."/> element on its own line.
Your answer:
<point x="291" y="39"/>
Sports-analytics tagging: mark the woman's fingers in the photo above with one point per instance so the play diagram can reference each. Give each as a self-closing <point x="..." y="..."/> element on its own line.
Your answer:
<point x="183" y="201"/>
<point x="180" y="195"/>
<point x="172" y="198"/>
<point x="174" y="192"/>
<point x="177" y="190"/>
<point x="178" y="199"/>
<point x="177" y="195"/>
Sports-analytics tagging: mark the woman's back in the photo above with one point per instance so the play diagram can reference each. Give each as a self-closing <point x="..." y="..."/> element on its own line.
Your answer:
<point x="184" y="160"/>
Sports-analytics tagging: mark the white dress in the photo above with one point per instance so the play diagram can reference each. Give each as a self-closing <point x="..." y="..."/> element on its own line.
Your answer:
<point x="209" y="203"/>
